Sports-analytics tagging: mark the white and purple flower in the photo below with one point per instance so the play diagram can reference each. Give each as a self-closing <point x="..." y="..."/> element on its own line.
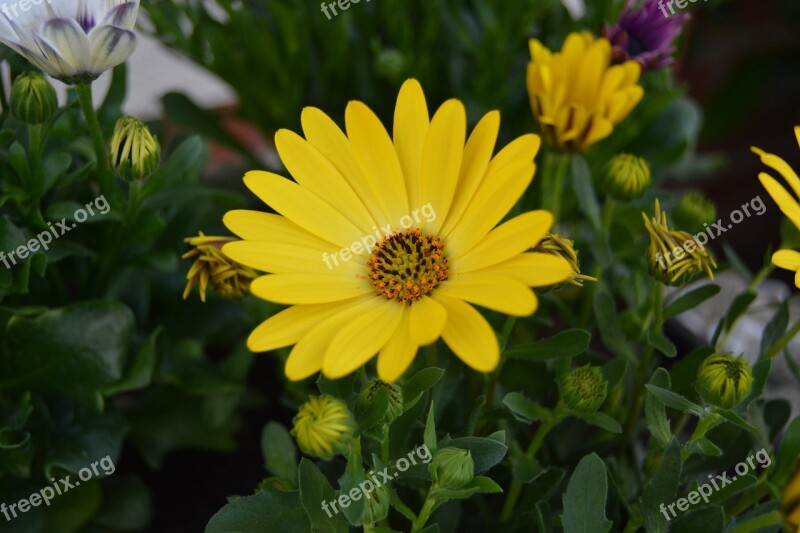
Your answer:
<point x="72" y="40"/>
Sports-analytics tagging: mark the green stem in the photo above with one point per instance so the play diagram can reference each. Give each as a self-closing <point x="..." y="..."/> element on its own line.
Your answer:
<point x="425" y="513"/>
<point x="782" y="342"/>
<point x="35" y="160"/>
<point x="538" y="439"/>
<point x="591" y="290"/>
<point x="555" y="169"/>
<point x="104" y="178"/>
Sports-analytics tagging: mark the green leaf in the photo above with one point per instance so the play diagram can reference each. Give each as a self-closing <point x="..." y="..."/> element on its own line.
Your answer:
<point x="584" y="190"/>
<point x="315" y="491"/>
<point x="184" y="165"/>
<point x="738" y="485"/>
<point x="429" y="436"/>
<point x="140" y="373"/>
<point x="662" y="489"/>
<point x="736" y="310"/>
<point x="127" y="505"/>
<point x="76" y="350"/>
<point x="585" y="498"/>
<point x="676" y="401"/>
<point x="775" y="328"/>
<point x="419" y="383"/>
<point x="704" y="446"/>
<point x="603" y="421"/>
<point x="563" y="345"/>
<point x="606" y="314"/>
<point x="655" y="411"/>
<point x="705" y="519"/>
<point x="269" y="510"/>
<point x="523" y="409"/>
<point x="691" y="300"/>
<point x="486" y="452"/>
<point x="351" y="479"/>
<point x="280" y="454"/>
<point x="788" y="454"/>
<point x="764" y="522"/>
<point x="660" y="342"/>
<point x="736" y="420"/>
<point x="376" y="412"/>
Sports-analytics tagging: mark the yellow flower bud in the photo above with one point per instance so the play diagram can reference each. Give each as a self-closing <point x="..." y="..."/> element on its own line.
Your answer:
<point x="323" y="427"/>
<point x="724" y="380"/>
<point x="627" y="177"/>
<point x="559" y="246"/>
<point x="135" y="152"/>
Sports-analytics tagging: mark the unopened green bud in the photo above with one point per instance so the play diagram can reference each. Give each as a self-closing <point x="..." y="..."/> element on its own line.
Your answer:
<point x="584" y="389"/>
<point x="627" y="177"/>
<point x="377" y="504"/>
<point x="135" y="152"/>
<point x="391" y="64"/>
<point x="452" y="468"/>
<point x="323" y="427"/>
<point x="394" y="392"/>
<point x="724" y="380"/>
<point x="33" y="99"/>
<point x="693" y="211"/>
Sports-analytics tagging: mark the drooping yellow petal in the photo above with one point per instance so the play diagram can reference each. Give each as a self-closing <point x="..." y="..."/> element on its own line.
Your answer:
<point x="361" y="338"/>
<point x="468" y="334"/>
<point x="441" y="159"/>
<point x="302" y="207"/>
<point x="309" y="288"/>
<point x="426" y="321"/>
<point x="506" y="241"/>
<point x="411" y="123"/>
<point x="376" y="157"/>
<point x="498" y="293"/>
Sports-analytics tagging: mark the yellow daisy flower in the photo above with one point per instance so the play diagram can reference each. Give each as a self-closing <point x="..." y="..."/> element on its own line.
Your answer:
<point x="786" y="259"/>
<point x="381" y="244"/>
<point x="576" y="94"/>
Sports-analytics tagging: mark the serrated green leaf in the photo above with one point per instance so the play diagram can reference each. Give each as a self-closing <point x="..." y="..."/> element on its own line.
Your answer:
<point x="676" y="401"/>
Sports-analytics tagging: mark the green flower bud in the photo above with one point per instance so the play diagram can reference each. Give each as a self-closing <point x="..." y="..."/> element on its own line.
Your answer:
<point x="693" y="211"/>
<point x="33" y="99"/>
<point x="391" y="64"/>
<point x="724" y="380"/>
<point x="395" y="398"/>
<point x="323" y="427"/>
<point x="135" y="152"/>
<point x="626" y="177"/>
<point x="452" y="468"/>
<point x="377" y="504"/>
<point x="583" y="390"/>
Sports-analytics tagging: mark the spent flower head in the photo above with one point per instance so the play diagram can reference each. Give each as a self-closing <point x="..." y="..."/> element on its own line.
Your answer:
<point x="675" y="256"/>
<point x="559" y="246"/>
<point x="627" y="177"/>
<point x="227" y="277"/>
<point x="33" y="99"/>
<point x="71" y="40"/>
<point x="583" y="390"/>
<point x="724" y="380"/>
<point x="323" y="427"/>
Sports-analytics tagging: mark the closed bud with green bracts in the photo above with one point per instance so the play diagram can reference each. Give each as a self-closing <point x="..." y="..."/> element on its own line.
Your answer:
<point x="452" y="468"/>
<point x="626" y="177"/>
<point x="323" y="427"/>
<point x="135" y="152"/>
<point x="583" y="390"/>
<point x="33" y="99"/>
<point x="724" y="380"/>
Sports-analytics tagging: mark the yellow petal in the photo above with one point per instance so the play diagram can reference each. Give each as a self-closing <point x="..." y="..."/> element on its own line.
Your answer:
<point x="787" y="259"/>
<point x="524" y="147"/>
<point x="410" y="128"/>
<point x="533" y="269"/>
<point x="785" y="201"/>
<point x="477" y="154"/>
<point x="398" y="353"/>
<point x="286" y="258"/>
<point x="361" y="338"/>
<point x="498" y="293"/>
<point x="469" y="335"/>
<point x="307" y="356"/>
<point x="302" y="207"/>
<point x="288" y="326"/>
<point x="495" y="197"/>
<point x="780" y="166"/>
<point x="377" y="159"/>
<point x="331" y="141"/>
<point x="441" y="159"/>
<point x="306" y="288"/>
<point x="426" y="321"/>
<point x="505" y="241"/>
<point x="260" y="226"/>
<point x="313" y="171"/>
